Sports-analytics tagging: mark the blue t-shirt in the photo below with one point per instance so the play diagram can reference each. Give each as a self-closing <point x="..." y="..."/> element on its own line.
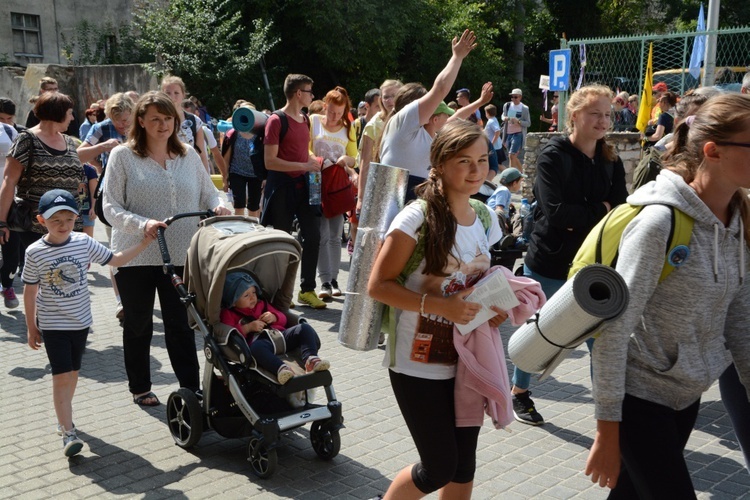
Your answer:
<point x="501" y="197"/>
<point x="100" y="132"/>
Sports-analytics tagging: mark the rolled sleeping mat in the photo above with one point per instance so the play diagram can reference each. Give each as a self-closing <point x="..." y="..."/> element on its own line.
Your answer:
<point x="384" y="197"/>
<point x="595" y="295"/>
<point x="224" y="126"/>
<point x="248" y="120"/>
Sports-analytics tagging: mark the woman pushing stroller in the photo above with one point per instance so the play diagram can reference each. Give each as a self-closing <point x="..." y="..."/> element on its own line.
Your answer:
<point x="244" y="309"/>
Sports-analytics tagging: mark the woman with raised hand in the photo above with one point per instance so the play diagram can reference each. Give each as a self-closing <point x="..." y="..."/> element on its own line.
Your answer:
<point x="652" y="364"/>
<point x="432" y="299"/>
<point x="152" y="177"/>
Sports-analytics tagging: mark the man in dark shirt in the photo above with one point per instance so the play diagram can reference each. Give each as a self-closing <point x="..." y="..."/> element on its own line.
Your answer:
<point x="288" y="160"/>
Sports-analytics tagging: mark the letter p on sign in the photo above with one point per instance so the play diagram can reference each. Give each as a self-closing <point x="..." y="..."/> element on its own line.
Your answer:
<point x="559" y="69"/>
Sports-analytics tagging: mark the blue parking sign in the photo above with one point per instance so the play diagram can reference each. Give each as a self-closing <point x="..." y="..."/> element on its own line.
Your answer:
<point x="559" y="69"/>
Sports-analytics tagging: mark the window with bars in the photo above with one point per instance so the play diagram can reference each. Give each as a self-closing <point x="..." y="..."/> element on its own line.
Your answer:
<point x="27" y="35"/>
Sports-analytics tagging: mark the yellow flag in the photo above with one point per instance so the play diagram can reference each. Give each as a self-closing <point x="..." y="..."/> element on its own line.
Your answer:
<point x="644" y="110"/>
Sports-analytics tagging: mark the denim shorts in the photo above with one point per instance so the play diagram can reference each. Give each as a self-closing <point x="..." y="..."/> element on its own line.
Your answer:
<point x="87" y="221"/>
<point x="514" y="142"/>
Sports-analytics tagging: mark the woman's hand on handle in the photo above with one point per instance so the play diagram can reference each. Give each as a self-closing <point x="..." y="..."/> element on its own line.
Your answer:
<point x="222" y="210"/>
<point x="152" y="227"/>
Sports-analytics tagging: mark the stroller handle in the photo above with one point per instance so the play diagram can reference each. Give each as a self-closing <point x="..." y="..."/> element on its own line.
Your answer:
<point x="160" y="231"/>
<point x="168" y="266"/>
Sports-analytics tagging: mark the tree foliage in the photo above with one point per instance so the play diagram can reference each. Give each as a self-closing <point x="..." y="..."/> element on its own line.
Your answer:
<point x="205" y="43"/>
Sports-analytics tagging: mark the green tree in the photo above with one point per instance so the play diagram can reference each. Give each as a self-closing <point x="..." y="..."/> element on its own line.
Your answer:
<point x="206" y="44"/>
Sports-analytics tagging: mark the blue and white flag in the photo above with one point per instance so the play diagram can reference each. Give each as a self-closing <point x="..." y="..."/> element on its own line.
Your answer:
<point x="699" y="47"/>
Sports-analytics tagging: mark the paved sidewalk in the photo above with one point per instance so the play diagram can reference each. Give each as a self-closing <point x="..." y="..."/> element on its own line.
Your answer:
<point x="129" y="452"/>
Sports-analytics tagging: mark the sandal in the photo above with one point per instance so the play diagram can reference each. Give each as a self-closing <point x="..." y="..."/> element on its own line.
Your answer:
<point x="141" y="400"/>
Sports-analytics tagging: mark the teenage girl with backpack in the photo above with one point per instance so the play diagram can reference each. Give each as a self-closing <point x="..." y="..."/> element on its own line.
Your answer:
<point x="653" y="362"/>
<point x="457" y="253"/>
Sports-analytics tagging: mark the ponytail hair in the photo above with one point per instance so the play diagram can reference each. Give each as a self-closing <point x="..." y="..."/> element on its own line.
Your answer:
<point x="719" y="119"/>
<point x="441" y="224"/>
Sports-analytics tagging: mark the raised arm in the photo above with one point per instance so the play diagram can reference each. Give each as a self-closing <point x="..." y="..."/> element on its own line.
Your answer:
<point x="485" y="97"/>
<point x="429" y="102"/>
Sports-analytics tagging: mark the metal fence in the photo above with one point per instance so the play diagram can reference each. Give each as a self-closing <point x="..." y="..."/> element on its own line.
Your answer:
<point x="620" y="63"/>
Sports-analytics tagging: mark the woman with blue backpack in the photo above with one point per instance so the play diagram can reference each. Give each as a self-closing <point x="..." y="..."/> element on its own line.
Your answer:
<point x="652" y="364"/>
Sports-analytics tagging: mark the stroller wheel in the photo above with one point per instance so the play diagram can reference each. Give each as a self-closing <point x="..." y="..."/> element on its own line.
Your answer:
<point x="325" y="442"/>
<point x="262" y="460"/>
<point x="184" y="417"/>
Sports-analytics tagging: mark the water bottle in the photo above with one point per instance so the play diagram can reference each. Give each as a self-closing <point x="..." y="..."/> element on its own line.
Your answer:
<point x="230" y="197"/>
<point x="313" y="179"/>
<point x="525" y="208"/>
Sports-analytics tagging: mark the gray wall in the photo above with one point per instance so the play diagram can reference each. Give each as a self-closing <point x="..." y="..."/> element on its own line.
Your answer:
<point x="58" y="16"/>
<point x="626" y="144"/>
<point x="85" y="84"/>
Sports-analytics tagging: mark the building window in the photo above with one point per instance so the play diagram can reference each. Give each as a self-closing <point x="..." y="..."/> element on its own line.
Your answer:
<point x="27" y="36"/>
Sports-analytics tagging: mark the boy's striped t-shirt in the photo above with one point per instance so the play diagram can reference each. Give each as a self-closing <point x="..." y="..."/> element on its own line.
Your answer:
<point x="63" y="301"/>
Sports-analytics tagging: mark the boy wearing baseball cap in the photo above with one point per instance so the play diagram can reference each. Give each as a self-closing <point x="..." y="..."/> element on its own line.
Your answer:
<point x="56" y="299"/>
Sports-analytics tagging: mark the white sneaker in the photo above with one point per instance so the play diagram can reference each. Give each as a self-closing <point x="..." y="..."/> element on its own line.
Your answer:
<point x="61" y="431"/>
<point x="71" y="444"/>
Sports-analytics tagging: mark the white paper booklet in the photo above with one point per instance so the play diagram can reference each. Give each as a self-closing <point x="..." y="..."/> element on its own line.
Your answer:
<point x="492" y="290"/>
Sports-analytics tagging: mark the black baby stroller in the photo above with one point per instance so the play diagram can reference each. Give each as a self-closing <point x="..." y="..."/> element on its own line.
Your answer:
<point x="239" y="399"/>
<point x="501" y="256"/>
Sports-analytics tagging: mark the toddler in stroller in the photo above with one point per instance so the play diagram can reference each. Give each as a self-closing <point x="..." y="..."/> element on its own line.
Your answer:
<point x="263" y="326"/>
<point x="239" y="398"/>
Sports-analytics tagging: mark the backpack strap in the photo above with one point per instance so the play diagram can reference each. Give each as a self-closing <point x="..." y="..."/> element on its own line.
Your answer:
<point x="680" y="232"/>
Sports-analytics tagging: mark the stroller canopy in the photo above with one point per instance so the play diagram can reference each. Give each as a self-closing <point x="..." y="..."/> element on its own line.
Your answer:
<point x="225" y="243"/>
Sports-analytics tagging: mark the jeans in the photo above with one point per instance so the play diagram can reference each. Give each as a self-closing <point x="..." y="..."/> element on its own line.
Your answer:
<point x="514" y="142"/>
<point x="301" y="336"/>
<point x="734" y="397"/>
<point x="138" y="286"/>
<point x="281" y="205"/>
<point x="522" y="379"/>
<point x="652" y="441"/>
<point x="329" y="258"/>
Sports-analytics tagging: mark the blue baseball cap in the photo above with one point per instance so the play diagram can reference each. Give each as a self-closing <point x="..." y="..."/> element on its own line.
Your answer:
<point x="55" y="200"/>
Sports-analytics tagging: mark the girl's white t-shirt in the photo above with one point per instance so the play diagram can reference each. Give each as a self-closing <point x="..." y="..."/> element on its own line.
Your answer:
<point x="469" y="260"/>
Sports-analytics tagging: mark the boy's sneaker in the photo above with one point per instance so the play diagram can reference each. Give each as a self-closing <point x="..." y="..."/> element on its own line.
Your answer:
<point x="524" y="411"/>
<point x="61" y="431"/>
<point x="315" y="364"/>
<point x="71" y="444"/>
<point x="284" y="374"/>
<point x="335" y="290"/>
<point x="310" y="299"/>
<point x="11" y="301"/>
<point x="326" y="292"/>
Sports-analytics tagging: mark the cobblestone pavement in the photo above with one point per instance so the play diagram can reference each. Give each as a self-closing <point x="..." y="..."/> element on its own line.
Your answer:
<point x="129" y="452"/>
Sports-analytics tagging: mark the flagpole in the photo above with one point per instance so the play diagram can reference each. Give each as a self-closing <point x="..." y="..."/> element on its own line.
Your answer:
<point x="712" y="24"/>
